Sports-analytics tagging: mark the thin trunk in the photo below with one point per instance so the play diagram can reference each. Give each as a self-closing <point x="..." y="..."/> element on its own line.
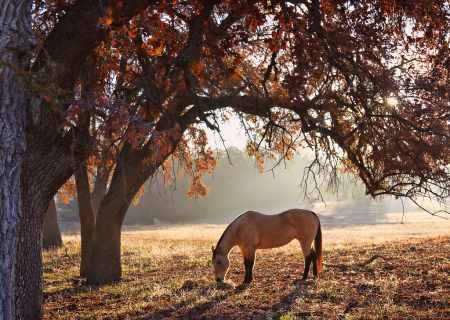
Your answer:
<point x="15" y="40"/>
<point x="100" y="186"/>
<point x="87" y="218"/>
<point x="51" y="237"/>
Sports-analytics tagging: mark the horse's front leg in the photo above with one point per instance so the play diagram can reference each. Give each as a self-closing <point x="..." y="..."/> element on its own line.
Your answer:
<point x="248" y="270"/>
<point x="249" y="261"/>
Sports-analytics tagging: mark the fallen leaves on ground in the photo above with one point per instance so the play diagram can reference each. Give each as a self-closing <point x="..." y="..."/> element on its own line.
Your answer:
<point x="413" y="284"/>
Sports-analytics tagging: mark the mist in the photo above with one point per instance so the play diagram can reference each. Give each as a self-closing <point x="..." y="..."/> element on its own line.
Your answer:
<point x="236" y="186"/>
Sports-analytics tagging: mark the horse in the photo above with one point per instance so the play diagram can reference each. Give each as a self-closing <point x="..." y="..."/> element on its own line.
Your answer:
<point x="253" y="230"/>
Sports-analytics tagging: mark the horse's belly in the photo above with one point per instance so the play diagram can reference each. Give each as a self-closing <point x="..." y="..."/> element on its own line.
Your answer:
<point x="274" y="241"/>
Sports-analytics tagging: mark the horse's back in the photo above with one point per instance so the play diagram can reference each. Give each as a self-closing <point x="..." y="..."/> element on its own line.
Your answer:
<point x="304" y="221"/>
<point x="270" y="231"/>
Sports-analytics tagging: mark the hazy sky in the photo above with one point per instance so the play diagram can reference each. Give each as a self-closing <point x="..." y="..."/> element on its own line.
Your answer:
<point x="231" y="132"/>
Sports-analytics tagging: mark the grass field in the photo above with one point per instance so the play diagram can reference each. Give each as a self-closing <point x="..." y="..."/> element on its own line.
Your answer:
<point x="167" y="273"/>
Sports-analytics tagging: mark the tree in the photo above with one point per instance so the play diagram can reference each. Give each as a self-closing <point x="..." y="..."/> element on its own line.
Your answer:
<point x="337" y="103"/>
<point x="15" y="41"/>
<point x="51" y="235"/>
<point x="87" y="218"/>
<point x="88" y="204"/>
<point x="299" y="74"/>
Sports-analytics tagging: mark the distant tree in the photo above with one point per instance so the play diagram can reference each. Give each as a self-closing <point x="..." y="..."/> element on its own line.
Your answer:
<point x="51" y="234"/>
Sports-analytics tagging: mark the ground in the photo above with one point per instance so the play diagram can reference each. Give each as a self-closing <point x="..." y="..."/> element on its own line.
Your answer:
<point x="167" y="273"/>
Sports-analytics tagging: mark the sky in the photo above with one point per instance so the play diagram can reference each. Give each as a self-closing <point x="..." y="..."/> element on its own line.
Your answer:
<point x="231" y="132"/>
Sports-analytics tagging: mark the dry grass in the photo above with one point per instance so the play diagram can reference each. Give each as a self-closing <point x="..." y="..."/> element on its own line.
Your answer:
<point x="168" y="274"/>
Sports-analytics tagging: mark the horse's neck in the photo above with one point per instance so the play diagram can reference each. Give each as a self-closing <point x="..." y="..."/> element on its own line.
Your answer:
<point x="228" y="241"/>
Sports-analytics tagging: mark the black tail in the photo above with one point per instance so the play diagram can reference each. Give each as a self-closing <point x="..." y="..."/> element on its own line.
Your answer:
<point x="318" y="248"/>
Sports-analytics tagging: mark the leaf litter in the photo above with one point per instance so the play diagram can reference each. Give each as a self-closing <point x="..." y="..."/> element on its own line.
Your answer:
<point x="401" y="279"/>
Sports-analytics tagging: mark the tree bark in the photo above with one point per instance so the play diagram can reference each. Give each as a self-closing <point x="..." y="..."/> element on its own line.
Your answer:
<point x="15" y="41"/>
<point x="105" y="264"/>
<point x="129" y="175"/>
<point x="131" y="171"/>
<point x="52" y="155"/>
<point x="51" y="236"/>
<point x="87" y="218"/>
<point x="28" y="267"/>
<point x="100" y="186"/>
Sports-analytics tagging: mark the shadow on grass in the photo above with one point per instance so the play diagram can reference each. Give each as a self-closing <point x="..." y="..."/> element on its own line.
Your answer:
<point x="284" y="305"/>
<point x="78" y="286"/>
<point x="201" y="311"/>
<point x="197" y="311"/>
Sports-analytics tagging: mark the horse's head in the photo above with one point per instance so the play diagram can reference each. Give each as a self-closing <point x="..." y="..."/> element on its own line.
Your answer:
<point x="221" y="264"/>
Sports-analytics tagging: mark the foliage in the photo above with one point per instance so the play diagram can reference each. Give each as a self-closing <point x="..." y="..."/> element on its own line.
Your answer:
<point x="364" y="84"/>
<point x="168" y="274"/>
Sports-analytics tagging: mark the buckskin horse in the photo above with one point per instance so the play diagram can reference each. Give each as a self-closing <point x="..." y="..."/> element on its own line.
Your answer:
<point x="253" y="230"/>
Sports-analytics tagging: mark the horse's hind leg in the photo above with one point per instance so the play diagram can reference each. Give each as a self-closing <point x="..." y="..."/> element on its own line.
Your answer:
<point x="307" y="265"/>
<point x="310" y="256"/>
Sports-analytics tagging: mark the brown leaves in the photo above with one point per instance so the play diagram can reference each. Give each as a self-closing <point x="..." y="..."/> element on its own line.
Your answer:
<point x="412" y="286"/>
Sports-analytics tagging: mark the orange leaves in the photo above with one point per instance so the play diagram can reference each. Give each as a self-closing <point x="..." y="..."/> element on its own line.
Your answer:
<point x="108" y="21"/>
<point x="175" y="133"/>
<point x="196" y="159"/>
<point x="251" y="23"/>
<point x="113" y="13"/>
<point x="197" y="188"/>
<point x="143" y="131"/>
<point x="68" y="191"/>
<point x="139" y="194"/>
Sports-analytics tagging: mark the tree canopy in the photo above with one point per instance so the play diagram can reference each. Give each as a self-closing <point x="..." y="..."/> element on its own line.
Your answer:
<point x="362" y="83"/>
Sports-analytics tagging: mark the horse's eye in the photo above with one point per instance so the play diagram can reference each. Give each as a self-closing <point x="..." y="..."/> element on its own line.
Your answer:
<point x="219" y="262"/>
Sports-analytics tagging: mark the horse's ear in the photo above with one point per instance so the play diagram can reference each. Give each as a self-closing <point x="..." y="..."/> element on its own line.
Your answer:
<point x="212" y="247"/>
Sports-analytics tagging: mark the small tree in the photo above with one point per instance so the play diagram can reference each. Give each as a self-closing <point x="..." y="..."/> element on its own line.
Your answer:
<point x="51" y="234"/>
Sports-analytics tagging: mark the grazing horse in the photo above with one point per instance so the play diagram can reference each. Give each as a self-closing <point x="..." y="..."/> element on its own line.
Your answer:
<point x="253" y="230"/>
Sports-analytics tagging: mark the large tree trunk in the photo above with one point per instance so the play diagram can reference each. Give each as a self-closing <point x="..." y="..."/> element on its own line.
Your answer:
<point x="131" y="171"/>
<point x="15" y="41"/>
<point x="106" y="264"/>
<point x="28" y="265"/>
<point x="52" y="155"/>
<point x="128" y="177"/>
<point x="51" y="236"/>
<point x="87" y="218"/>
